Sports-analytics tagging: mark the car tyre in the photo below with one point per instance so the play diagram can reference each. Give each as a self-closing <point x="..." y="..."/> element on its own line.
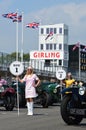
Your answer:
<point x="9" y="102"/>
<point x="45" y="100"/>
<point x="22" y="101"/>
<point x="69" y="119"/>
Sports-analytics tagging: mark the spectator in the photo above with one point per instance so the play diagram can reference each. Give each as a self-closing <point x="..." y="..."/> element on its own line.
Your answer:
<point x="2" y="81"/>
<point x="69" y="80"/>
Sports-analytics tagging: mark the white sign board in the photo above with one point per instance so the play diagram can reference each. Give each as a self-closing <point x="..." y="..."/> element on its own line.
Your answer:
<point x="60" y="74"/>
<point x="46" y="55"/>
<point x="16" y="68"/>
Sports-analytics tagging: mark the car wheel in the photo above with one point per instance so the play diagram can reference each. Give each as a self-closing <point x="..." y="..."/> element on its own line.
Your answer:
<point x="9" y="102"/>
<point x="65" y="108"/>
<point x="45" y="99"/>
<point x="22" y="101"/>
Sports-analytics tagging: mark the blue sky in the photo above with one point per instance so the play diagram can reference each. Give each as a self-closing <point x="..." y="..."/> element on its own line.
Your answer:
<point x="72" y="13"/>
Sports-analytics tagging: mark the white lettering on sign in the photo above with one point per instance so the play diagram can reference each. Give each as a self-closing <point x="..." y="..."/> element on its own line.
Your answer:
<point x="46" y="55"/>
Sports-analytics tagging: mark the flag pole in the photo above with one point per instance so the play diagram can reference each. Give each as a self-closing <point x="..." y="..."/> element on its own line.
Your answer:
<point x="22" y="39"/>
<point x="17" y="38"/>
<point x="79" y="64"/>
<point x="17" y="60"/>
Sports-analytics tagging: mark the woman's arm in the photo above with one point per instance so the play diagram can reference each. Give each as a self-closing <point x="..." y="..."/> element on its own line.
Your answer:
<point x="38" y="83"/>
<point x="20" y="80"/>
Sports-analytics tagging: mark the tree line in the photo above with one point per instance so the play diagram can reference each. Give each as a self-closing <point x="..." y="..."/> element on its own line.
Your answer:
<point x="26" y="56"/>
<point x="8" y="58"/>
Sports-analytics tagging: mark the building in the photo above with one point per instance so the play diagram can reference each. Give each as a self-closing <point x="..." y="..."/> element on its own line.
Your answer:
<point x="77" y="60"/>
<point x="53" y="46"/>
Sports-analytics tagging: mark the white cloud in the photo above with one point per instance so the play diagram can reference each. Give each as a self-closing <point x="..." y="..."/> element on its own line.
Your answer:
<point x="72" y="14"/>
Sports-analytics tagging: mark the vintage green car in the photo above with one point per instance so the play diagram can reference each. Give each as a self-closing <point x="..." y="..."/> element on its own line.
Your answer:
<point x="48" y="93"/>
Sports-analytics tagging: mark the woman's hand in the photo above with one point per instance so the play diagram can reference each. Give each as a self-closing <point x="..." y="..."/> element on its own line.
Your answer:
<point x="38" y="83"/>
<point x="17" y="78"/>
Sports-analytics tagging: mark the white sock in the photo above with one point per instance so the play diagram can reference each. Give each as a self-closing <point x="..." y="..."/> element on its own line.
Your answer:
<point x="31" y="108"/>
<point x="28" y="107"/>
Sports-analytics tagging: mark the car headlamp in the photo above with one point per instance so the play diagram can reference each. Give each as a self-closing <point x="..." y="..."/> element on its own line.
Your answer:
<point x="2" y="89"/>
<point x="82" y="90"/>
<point x="55" y="90"/>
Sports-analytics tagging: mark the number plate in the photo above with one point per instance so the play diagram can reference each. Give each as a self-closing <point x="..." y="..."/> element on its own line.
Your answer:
<point x="78" y="111"/>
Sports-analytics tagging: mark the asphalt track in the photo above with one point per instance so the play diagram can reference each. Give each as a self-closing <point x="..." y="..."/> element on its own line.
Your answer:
<point x="43" y="119"/>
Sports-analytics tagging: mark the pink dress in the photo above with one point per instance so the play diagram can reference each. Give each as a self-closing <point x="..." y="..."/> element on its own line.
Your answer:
<point x="30" y="91"/>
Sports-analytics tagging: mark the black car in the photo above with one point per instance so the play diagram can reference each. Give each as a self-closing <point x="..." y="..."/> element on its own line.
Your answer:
<point x="73" y="105"/>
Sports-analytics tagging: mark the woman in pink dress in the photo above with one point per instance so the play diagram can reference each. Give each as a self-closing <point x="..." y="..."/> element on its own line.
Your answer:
<point x="30" y="89"/>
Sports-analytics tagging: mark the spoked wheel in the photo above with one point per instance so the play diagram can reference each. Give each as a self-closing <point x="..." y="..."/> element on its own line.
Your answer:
<point x="22" y="101"/>
<point x="45" y="99"/>
<point x="9" y="102"/>
<point x="65" y="112"/>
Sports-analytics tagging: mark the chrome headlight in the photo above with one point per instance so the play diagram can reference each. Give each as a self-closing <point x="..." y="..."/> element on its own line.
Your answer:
<point x="82" y="90"/>
<point x="2" y="89"/>
<point x="55" y="90"/>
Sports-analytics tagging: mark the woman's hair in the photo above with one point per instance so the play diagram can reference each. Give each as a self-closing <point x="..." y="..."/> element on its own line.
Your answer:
<point x="31" y="70"/>
<point x="30" y="67"/>
<point x="69" y="75"/>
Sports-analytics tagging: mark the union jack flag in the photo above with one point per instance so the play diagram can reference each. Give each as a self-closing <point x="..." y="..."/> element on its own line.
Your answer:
<point x="33" y="25"/>
<point x="76" y="46"/>
<point x="9" y="15"/>
<point x="49" y="35"/>
<point x="17" y="19"/>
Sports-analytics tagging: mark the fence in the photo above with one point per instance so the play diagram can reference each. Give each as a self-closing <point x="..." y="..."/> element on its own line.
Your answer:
<point x="38" y="65"/>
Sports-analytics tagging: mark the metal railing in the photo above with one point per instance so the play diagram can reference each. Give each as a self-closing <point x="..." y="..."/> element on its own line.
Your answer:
<point x="38" y="66"/>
